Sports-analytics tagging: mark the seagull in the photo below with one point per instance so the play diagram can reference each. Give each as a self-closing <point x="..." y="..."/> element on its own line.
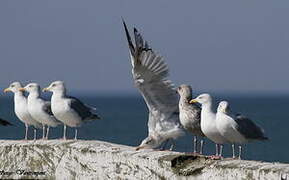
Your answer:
<point x="69" y="110"/>
<point x="190" y="115"/>
<point x="237" y="128"/>
<point x="208" y="123"/>
<point x="150" y="74"/>
<point x="21" y="109"/>
<point x="40" y="109"/>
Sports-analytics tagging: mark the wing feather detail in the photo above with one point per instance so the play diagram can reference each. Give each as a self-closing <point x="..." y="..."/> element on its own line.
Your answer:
<point x="150" y="73"/>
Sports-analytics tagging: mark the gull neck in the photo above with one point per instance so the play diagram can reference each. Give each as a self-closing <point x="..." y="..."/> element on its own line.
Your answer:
<point x="207" y="107"/>
<point x="59" y="93"/>
<point x="18" y="95"/>
<point x="34" y="94"/>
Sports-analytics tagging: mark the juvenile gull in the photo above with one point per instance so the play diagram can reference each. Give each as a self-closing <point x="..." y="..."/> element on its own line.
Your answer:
<point x="40" y="109"/>
<point x="190" y="115"/>
<point x="21" y="109"/>
<point x="150" y="74"/>
<point x="237" y="129"/>
<point x="69" y="110"/>
<point x="208" y="122"/>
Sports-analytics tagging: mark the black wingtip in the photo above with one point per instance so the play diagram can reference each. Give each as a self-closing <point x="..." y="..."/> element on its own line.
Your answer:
<point x="5" y="123"/>
<point x="96" y="117"/>
<point x="265" y="138"/>
<point x="123" y="22"/>
<point x="130" y="44"/>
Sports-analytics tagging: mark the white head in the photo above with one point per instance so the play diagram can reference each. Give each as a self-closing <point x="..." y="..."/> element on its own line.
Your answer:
<point x="202" y="99"/>
<point x="13" y="87"/>
<point x="185" y="91"/>
<point x="223" y="107"/>
<point x="150" y="142"/>
<point x="31" y="88"/>
<point x="56" y="86"/>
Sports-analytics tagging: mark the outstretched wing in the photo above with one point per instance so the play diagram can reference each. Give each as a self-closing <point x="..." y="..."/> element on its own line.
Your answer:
<point x="249" y="129"/>
<point x="150" y="73"/>
<point x="85" y="112"/>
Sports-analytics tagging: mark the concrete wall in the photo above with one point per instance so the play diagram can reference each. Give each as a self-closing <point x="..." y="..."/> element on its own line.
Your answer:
<point x="55" y="159"/>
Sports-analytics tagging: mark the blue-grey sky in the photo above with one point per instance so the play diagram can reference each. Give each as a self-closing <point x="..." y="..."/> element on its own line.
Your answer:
<point x="236" y="46"/>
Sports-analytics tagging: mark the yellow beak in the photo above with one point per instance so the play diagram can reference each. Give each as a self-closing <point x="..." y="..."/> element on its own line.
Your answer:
<point x="193" y="101"/>
<point x="7" y="90"/>
<point x="45" y="89"/>
<point x="22" y="89"/>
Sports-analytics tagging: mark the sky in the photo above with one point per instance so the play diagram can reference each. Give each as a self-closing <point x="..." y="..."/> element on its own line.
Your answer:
<point x="215" y="46"/>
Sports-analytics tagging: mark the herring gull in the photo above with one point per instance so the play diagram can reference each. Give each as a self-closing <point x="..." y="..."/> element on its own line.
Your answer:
<point x="69" y="110"/>
<point x="237" y="129"/>
<point x="208" y="123"/>
<point x="190" y="115"/>
<point x="21" y="109"/>
<point x="150" y="74"/>
<point x="40" y="109"/>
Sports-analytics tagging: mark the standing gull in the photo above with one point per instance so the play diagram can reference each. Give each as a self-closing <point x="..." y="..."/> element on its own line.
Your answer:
<point x="21" y="109"/>
<point x="40" y="109"/>
<point x="208" y="122"/>
<point x="150" y="74"/>
<point x="237" y="128"/>
<point x="190" y="115"/>
<point x="69" y="110"/>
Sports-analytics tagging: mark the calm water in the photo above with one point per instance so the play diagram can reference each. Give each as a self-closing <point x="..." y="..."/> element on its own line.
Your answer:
<point x="124" y="121"/>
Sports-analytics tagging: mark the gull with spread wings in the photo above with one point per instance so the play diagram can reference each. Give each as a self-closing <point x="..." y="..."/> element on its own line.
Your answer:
<point x="150" y="74"/>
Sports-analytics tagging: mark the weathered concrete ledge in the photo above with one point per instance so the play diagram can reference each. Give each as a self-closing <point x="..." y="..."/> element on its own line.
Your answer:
<point x="55" y="159"/>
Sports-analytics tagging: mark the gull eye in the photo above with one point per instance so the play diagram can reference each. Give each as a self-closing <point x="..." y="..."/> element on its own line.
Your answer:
<point x="53" y="85"/>
<point x="30" y="86"/>
<point x="12" y="85"/>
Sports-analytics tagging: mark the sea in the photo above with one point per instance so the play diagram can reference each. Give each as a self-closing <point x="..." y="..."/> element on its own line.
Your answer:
<point x="124" y="121"/>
